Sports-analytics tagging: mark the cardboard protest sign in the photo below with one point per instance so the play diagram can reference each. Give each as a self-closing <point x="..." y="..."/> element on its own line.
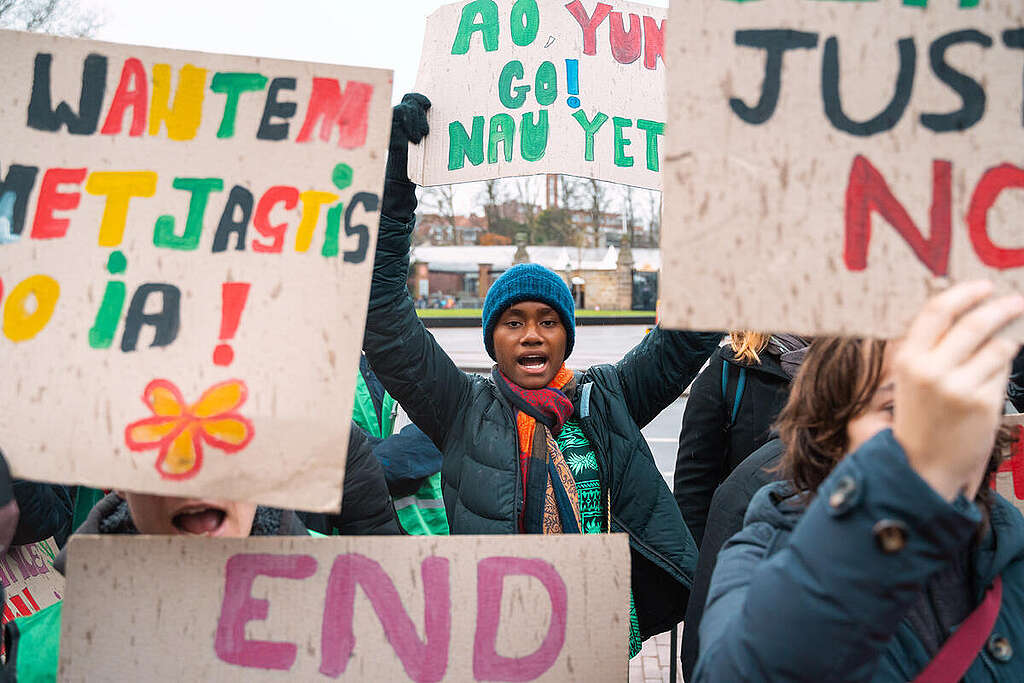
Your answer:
<point x="185" y="247"/>
<point x="522" y="87"/>
<point x="30" y="582"/>
<point x="830" y="164"/>
<point x="1009" y="480"/>
<point x="457" y="608"/>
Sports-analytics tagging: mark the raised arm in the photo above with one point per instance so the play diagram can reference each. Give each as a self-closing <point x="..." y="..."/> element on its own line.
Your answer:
<point x="657" y="370"/>
<point x="410" y="364"/>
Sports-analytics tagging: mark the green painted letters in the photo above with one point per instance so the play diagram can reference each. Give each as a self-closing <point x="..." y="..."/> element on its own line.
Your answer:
<point x="461" y="146"/>
<point x="621" y="158"/>
<point x="503" y="130"/>
<point x="487" y="11"/>
<point x="200" y="188"/>
<point x="233" y="85"/>
<point x="512" y="70"/>
<point x="525" y="19"/>
<point x="534" y="138"/>
<point x="590" y="128"/>
<point x="654" y="129"/>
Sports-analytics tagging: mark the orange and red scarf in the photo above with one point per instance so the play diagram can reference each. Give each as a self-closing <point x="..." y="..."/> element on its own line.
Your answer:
<point x="550" y="500"/>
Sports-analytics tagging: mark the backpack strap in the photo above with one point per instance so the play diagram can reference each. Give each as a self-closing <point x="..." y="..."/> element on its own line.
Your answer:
<point x="741" y="383"/>
<point x="962" y="648"/>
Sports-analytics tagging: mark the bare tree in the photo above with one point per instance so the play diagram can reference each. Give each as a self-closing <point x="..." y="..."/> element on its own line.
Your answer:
<point x="654" y="199"/>
<point x="441" y="200"/>
<point x="628" y="211"/>
<point x="597" y="202"/>
<point x="526" y="194"/>
<point x="59" y="17"/>
<point x="574" y="191"/>
<point x="492" y="196"/>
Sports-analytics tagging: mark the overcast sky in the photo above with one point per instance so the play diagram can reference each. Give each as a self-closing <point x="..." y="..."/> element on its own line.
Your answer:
<point x="379" y="33"/>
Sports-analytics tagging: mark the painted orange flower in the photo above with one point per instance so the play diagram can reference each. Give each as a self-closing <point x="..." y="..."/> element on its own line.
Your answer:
<point x="179" y="429"/>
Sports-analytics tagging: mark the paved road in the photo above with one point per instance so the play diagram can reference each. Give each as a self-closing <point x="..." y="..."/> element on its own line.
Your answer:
<point x="594" y="344"/>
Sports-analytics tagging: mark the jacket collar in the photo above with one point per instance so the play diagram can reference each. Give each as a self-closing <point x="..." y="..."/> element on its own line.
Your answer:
<point x="769" y="364"/>
<point x="1001" y="545"/>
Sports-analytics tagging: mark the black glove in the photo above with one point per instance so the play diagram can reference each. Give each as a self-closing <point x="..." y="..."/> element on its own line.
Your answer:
<point x="408" y="124"/>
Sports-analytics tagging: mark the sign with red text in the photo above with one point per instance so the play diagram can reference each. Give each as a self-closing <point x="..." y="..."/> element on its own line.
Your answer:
<point x="831" y="164"/>
<point x="30" y="582"/>
<point x="522" y="87"/>
<point x="459" y="608"/>
<point x="185" y="251"/>
<point x="1009" y="480"/>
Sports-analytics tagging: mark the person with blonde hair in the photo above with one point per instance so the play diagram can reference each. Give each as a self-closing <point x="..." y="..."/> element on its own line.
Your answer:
<point x="728" y="415"/>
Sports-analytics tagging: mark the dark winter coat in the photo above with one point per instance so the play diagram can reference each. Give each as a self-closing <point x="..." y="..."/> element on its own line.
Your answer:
<point x="366" y="505"/>
<point x="829" y="604"/>
<point x="725" y="518"/>
<point x="33" y="642"/>
<point x="474" y="427"/>
<point x="708" y="449"/>
<point x="45" y="511"/>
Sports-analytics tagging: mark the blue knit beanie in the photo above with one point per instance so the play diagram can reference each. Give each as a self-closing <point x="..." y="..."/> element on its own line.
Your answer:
<point x="529" y="282"/>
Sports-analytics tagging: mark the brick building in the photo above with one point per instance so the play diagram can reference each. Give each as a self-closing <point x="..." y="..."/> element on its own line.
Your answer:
<point x="607" y="279"/>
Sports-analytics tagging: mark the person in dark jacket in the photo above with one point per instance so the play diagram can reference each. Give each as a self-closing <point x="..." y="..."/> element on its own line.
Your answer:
<point x="45" y="511"/>
<point x="732" y="405"/>
<point x="33" y="642"/>
<point x="862" y="567"/>
<point x="725" y="518"/>
<point x="534" y="430"/>
<point x="366" y="505"/>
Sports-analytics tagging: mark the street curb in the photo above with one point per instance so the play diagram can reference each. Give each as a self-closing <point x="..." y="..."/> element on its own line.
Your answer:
<point x="644" y="320"/>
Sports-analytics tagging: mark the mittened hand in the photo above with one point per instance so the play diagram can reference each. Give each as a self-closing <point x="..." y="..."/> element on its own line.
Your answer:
<point x="408" y="124"/>
<point x="410" y="119"/>
<point x="950" y="373"/>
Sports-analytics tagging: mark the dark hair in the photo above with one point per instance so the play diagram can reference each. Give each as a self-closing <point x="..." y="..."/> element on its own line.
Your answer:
<point x="835" y="384"/>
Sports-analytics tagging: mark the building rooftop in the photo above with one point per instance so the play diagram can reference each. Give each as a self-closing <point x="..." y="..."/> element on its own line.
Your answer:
<point x="467" y="259"/>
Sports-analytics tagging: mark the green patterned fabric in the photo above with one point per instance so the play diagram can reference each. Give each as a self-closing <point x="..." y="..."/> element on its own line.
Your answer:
<point x="422" y="513"/>
<point x="582" y="461"/>
<point x="37" y="644"/>
<point x="85" y="500"/>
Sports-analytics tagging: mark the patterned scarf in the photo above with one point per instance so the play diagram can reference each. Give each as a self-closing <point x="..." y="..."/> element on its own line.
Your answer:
<point x="551" y="503"/>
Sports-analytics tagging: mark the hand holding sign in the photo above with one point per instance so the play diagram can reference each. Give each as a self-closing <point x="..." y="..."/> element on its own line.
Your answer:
<point x="950" y="373"/>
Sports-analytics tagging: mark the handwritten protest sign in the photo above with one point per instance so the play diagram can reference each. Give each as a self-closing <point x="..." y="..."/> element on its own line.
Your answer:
<point x="831" y="163"/>
<point x="185" y="244"/>
<point x="426" y="609"/>
<point x="1009" y="480"/>
<point x="521" y="87"/>
<point x="30" y="582"/>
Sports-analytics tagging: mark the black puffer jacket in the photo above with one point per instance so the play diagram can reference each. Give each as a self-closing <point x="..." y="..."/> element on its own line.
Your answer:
<point x="366" y="505"/>
<point x="474" y="427"/>
<point x="725" y="518"/>
<point x="708" y="449"/>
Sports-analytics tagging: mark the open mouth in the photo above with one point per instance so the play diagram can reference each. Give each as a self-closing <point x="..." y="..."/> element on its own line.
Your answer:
<point x="532" y="362"/>
<point x="199" y="521"/>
